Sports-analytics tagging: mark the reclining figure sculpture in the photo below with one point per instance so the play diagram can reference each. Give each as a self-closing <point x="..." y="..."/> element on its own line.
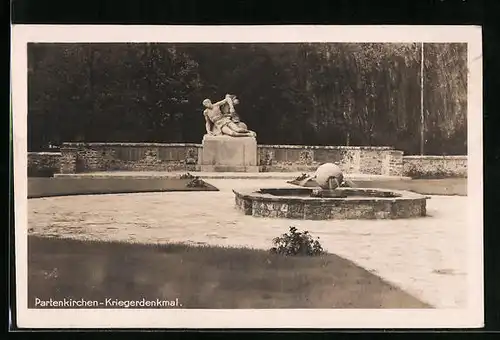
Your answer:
<point x="221" y="118"/>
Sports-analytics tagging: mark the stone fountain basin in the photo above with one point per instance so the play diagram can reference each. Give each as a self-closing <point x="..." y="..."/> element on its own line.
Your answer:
<point x="358" y="203"/>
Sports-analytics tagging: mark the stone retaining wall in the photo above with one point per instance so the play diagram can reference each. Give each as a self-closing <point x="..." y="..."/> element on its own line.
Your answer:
<point x="352" y="159"/>
<point x="91" y="157"/>
<point x="43" y="163"/>
<point x="434" y="166"/>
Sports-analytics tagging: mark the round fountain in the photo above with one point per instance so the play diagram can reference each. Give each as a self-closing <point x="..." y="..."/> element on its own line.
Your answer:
<point x="327" y="196"/>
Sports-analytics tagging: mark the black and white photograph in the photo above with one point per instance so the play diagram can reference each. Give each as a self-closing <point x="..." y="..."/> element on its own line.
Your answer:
<point x="248" y="176"/>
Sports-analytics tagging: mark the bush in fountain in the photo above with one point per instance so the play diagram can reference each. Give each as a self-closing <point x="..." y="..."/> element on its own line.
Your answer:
<point x="297" y="243"/>
<point x="187" y="176"/>
<point x="301" y="177"/>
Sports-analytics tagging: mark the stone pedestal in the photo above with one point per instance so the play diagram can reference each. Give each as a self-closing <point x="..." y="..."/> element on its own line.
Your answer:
<point x="229" y="154"/>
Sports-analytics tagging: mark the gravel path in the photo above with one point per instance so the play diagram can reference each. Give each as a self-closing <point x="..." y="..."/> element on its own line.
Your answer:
<point x="425" y="256"/>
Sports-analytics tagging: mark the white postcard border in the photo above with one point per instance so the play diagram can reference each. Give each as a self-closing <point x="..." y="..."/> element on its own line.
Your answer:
<point x="472" y="316"/>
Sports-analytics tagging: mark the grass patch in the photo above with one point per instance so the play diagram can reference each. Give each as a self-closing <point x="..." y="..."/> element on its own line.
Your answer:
<point x="203" y="277"/>
<point x="444" y="186"/>
<point x="45" y="187"/>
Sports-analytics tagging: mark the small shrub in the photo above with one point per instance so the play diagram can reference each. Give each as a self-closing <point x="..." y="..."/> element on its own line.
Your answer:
<point x="421" y="174"/>
<point x="297" y="243"/>
<point x="196" y="183"/>
<point x="187" y="176"/>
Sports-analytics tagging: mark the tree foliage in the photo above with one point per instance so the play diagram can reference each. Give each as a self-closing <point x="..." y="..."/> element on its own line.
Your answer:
<point x="313" y="94"/>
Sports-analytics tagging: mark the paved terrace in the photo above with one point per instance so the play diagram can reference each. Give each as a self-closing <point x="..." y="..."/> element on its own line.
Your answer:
<point x="425" y="256"/>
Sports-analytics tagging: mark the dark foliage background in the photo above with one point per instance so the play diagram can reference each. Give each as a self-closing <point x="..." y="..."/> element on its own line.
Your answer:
<point x="312" y="94"/>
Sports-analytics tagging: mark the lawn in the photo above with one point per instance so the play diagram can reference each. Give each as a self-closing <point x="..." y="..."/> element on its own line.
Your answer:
<point x="443" y="186"/>
<point x="202" y="277"/>
<point x="45" y="187"/>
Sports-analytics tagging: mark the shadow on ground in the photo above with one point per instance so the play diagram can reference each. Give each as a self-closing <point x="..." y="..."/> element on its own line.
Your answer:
<point x="46" y="187"/>
<point x="202" y="277"/>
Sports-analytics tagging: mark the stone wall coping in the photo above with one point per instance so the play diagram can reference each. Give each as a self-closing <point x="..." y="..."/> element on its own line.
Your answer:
<point x="404" y="195"/>
<point x="327" y="147"/>
<point x="45" y="153"/>
<point x="461" y="157"/>
<point x="69" y="145"/>
<point x="270" y="146"/>
<point x="100" y="144"/>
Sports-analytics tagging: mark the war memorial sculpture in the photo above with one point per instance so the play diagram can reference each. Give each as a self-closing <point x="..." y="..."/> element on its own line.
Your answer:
<point x="228" y="145"/>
